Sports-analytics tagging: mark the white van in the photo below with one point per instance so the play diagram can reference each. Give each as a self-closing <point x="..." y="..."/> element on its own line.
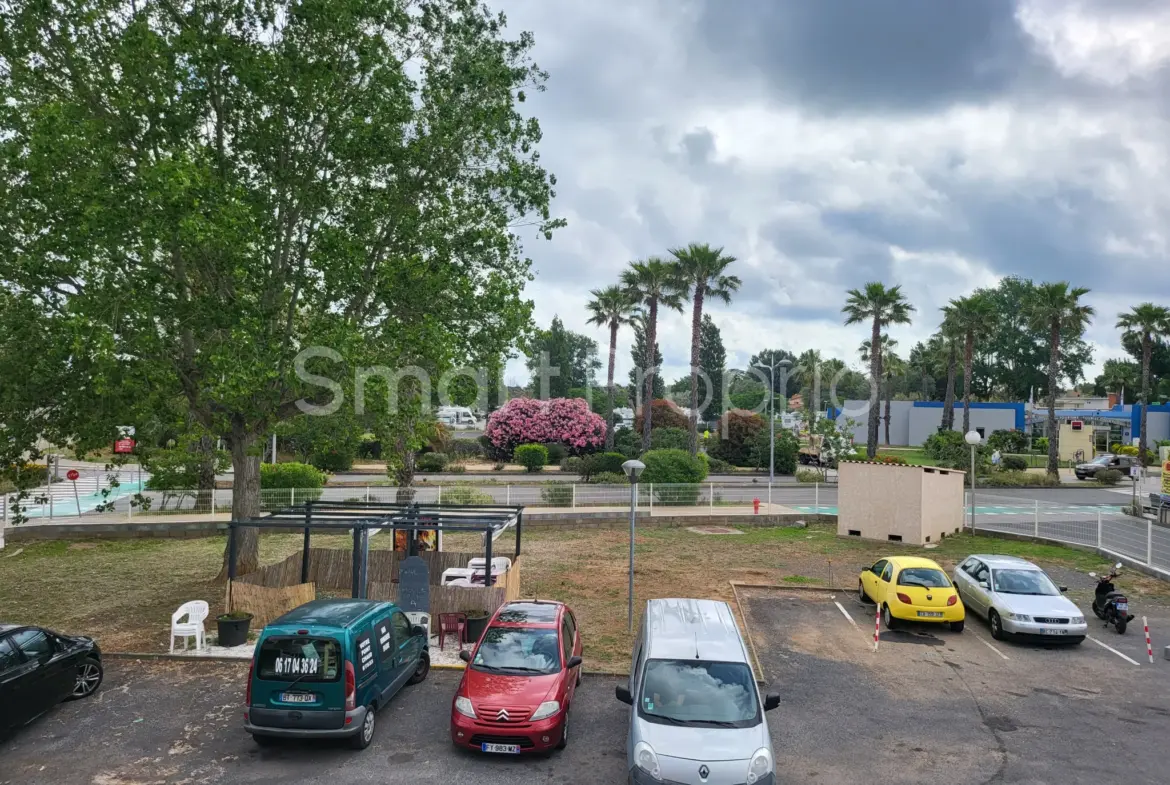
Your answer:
<point x="457" y="417"/>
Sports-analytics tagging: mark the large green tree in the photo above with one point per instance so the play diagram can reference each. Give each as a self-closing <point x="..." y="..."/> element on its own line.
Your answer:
<point x="561" y="360"/>
<point x="702" y="275"/>
<point x="892" y="366"/>
<point x="196" y="193"/>
<point x="1056" y="308"/>
<point x="638" y="359"/>
<point x="613" y="309"/>
<point x="713" y="361"/>
<point x="1151" y="323"/>
<point x="652" y="284"/>
<point x="972" y="317"/>
<point x="880" y="306"/>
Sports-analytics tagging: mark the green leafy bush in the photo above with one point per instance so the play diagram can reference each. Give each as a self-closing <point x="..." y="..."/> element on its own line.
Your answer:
<point x="334" y="459"/>
<point x="369" y="448"/>
<point x="810" y="475"/>
<point x="1125" y="449"/>
<point x="738" y="432"/>
<point x="556" y="453"/>
<point x="290" y="475"/>
<point x="573" y="464"/>
<point x="940" y="445"/>
<point x="1019" y="480"/>
<point x="431" y="462"/>
<point x="1040" y="444"/>
<point x="609" y="478"/>
<point x="669" y="439"/>
<point x="556" y="494"/>
<point x="532" y="457"/>
<point x="628" y="442"/>
<point x="463" y="449"/>
<point x="1108" y="476"/>
<point x="1014" y="463"/>
<point x="1008" y="441"/>
<point x="787" y="449"/>
<point x="719" y="466"/>
<point x="602" y="462"/>
<point x="466" y="494"/>
<point x="673" y="466"/>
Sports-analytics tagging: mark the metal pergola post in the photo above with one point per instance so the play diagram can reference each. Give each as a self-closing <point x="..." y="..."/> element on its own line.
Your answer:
<point x="305" y="547"/>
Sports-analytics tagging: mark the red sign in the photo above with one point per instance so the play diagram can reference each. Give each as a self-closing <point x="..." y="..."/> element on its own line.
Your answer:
<point x="124" y="446"/>
<point x="72" y="474"/>
<point x="1077" y="425"/>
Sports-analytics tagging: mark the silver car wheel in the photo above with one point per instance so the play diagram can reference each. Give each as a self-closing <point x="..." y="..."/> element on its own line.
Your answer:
<point x="88" y="677"/>
<point x="368" y="726"/>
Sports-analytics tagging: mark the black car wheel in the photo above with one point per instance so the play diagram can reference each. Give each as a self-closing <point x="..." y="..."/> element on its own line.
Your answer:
<point x="420" y="673"/>
<point x="888" y="618"/>
<point x="995" y="624"/>
<point x="564" y="742"/>
<point x="89" y="678"/>
<point x="862" y="597"/>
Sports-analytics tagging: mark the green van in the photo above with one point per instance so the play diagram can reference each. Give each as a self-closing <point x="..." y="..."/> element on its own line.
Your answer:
<point x="322" y="670"/>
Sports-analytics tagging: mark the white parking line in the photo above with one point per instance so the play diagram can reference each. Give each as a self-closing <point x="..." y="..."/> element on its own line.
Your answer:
<point x="988" y="645"/>
<point x="847" y="616"/>
<point x="1110" y="648"/>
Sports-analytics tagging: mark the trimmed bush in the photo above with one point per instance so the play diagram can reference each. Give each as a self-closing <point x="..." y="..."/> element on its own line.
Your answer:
<point x="609" y="478"/>
<point x="1125" y="449"/>
<point x="572" y="465"/>
<point x="333" y="460"/>
<point x="810" y="475"/>
<point x="1014" y="463"/>
<point x="787" y="448"/>
<point x="668" y="439"/>
<point x="556" y="453"/>
<point x="1019" y="480"/>
<point x="532" y="457"/>
<point x="602" y="462"/>
<point x="1040" y="444"/>
<point x="940" y="445"/>
<point x="673" y="466"/>
<point x="1008" y="441"/>
<point x="464" y="449"/>
<point x="738" y="431"/>
<point x="466" y="494"/>
<point x="431" y="462"/>
<point x="628" y="442"/>
<point x="557" y="494"/>
<point x="290" y="475"/>
<point x="719" y="466"/>
<point x="1108" y="476"/>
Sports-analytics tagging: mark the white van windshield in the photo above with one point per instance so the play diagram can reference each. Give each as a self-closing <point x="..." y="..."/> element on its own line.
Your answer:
<point x="699" y="693"/>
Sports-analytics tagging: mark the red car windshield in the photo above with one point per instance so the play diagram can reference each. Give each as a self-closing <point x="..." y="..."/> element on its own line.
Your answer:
<point x="519" y="650"/>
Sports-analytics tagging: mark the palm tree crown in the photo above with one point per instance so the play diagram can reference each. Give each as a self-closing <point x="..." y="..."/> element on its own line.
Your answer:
<point x="611" y="307"/>
<point x="653" y="283"/>
<point x="1149" y="323"/>
<point x="881" y="306"/>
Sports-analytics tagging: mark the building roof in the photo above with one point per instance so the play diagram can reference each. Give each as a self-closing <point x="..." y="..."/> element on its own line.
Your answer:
<point x="328" y="612"/>
<point x="693" y="629"/>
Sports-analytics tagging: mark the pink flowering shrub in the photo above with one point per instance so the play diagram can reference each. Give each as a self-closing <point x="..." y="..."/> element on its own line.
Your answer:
<point x="566" y="421"/>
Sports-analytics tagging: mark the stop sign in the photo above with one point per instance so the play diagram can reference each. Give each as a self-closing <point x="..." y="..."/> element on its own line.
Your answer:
<point x="72" y="474"/>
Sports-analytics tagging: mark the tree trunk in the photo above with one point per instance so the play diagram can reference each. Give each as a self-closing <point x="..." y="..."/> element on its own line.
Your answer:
<point x="245" y="500"/>
<point x="968" y="358"/>
<point x="696" y="320"/>
<point x="1053" y="433"/>
<point x="1147" y="351"/>
<point x="206" y="479"/>
<point x="875" y="375"/>
<point x="651" y="338"/>
<point x="613" y="328"/>
<point x="948" y="418"/>
<point x="889" y="396"/>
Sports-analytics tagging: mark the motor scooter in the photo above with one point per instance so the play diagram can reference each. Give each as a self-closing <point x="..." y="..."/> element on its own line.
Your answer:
<point x="1110" y="605"/>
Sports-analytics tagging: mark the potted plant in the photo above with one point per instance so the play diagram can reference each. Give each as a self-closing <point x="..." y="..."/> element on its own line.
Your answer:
<point x="233" y="628"/>
<point x="476" y="623"/>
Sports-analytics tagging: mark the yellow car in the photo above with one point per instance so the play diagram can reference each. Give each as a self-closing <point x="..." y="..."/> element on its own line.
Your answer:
<point x="913" y="589"/>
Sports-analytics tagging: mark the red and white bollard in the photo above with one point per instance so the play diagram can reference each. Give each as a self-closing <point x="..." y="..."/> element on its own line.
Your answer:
<point x="877" y="623"/>
<point x="1149" y="648"/>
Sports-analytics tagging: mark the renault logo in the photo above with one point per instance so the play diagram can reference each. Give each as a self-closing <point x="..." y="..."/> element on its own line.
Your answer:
<point x="704" y="772"/>
<point x="502" y="715"/>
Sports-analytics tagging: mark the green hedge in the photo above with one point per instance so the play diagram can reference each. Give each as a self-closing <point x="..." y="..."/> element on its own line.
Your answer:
<point x="290" y="475"/>
<point x="431" y="462"/>
<point x="673" y="466"/>
<point x="532" y="457"/>
<point x="602" y="463"/>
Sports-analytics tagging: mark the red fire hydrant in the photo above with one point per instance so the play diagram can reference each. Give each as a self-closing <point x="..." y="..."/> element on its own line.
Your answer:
<point x="756" y="505"/>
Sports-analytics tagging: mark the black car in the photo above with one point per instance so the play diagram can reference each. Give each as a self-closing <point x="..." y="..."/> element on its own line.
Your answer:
<point x="1122" y="463"/>
<point x="39" y="669"/>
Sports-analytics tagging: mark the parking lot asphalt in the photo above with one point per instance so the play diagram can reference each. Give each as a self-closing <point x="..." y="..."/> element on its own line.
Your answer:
<point x="931" y="703"/>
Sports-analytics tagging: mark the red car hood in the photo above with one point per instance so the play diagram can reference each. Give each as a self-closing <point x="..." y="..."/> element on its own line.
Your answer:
<point x="496" y="688"/>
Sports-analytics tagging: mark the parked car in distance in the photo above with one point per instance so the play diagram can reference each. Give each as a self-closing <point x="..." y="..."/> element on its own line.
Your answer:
<point x="696" y="714"/>
<point x="324" y="669"/>
<point x="40" y="668"/>
<point x="1122" y="463"/>
<point x="909" y="588"/>
<point x="1018" y="598"/>
<point x="517" y="692"/>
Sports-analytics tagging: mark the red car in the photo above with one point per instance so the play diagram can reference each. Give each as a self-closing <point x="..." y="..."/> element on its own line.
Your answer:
<point x="520" y="680"/>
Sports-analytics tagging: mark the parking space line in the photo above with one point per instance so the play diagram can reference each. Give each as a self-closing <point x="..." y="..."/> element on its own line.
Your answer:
<point x="1110" y="648"/>
<point x="847" y="616"/>
<point x="988" y="645"/>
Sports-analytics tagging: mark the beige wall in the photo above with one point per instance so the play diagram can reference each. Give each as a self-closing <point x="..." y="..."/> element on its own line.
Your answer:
<point x="919" y="504"/>
<point x="1071" y="441"/>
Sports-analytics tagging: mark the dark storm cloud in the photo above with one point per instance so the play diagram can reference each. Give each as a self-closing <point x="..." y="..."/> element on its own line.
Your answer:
<point x="862" y="55"/>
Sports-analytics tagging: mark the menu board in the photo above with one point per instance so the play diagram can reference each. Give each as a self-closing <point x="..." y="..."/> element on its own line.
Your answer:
<point x="414" y="586"/>
<point x="365" y="655"/>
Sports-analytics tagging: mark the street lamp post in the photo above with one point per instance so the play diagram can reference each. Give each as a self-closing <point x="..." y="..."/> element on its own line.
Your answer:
<point x="633" y="470"/>
<point x="972" y="438"/>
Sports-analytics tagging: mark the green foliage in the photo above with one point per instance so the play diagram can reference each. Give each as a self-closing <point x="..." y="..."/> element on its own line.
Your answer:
<point x="810" y="475"/>
<point x="1019" y="480"/>
<point x="737" y="435"/>
<point x="787" y="448"/>
<point x="329" y="442"/>
<point x="1125" y="449"/>
<point x="572" y="354"/>
<point x="1108" y="476"/>
<point x="465" y="449"/>
<point x="943" y="443"/>
<point x="557" y="494"/>
<point x="369" y="448"/>
<point x="668" y="439"/>
<point x="1008" y="441"/>
<point x="466" y="494"/>
<point x="673" y="466"/>
<point x="532" y="457"/>
<point x="628" y="442"/>
<point x="431" y="462"/>
<point x="1040" y="444"/>
<point x="719" y="466"/>
<point x="1014" y="463"/>
<point x="556" y="453"/>
<point x="180" y="467"/>
<point x="891" y="460"/>
<point x="609" y="478"/>
<point x="713" y="361"/>
<point x="603" y="463"/>
<point x="638" y="355"/>
<point x="574" y="464"/>
<point x="290" y="475"/>
<point x="663" y="414"/>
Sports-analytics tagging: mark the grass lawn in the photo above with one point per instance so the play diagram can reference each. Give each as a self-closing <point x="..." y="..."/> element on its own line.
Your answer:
<point x="913" y="455"/>
<point x="123" y="592"/>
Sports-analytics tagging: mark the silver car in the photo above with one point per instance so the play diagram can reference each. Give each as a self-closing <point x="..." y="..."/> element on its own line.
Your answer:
<point x="696" y="717"/>
<point x="1017" y="598"/>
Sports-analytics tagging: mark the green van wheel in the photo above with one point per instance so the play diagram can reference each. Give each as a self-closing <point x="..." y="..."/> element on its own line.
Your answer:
<point x="420" y="673"/>
<point x="365" y="735"/>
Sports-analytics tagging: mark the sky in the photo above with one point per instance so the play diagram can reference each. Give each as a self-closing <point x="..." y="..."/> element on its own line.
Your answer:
<point x="935" y="145"/>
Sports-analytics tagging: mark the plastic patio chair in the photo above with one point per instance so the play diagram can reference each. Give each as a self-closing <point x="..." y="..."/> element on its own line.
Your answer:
<point x="195" y="612"/>
<point x="500" y="564"/>
<point x="421" y="619"/>
<point x="452" y="623"/>
<point x="452" y="574"/>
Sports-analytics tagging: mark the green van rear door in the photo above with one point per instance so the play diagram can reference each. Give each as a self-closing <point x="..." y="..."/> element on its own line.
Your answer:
<point x="299" y="672"/>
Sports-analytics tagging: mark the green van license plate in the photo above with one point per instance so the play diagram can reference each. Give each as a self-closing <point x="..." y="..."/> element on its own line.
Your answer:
<point x="296" y="697"/>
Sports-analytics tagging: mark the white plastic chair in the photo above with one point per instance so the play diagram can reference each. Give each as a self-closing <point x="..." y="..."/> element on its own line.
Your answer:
<point x="500" y="564"/>
<point x="422" y="619"/>
<point x="453" y="574"/>
<point x="195" y="612"/>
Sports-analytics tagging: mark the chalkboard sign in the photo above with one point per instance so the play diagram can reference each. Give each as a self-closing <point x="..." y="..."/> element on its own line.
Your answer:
<point x="385" y="635"/>
<point x="365" y="655"/>
<point x="414" y="592"/>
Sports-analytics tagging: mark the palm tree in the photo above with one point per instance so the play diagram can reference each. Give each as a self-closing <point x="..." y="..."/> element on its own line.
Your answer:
<point x="700" y="270"/>
<point x="651" y="283"/>
<point x="610" y="307"/>
<point x="808" y="370"/>
<point x="1120" y="375"/>
<point x="892" y="366"/>
<point x="1150" y="322"/>
<point x="971" y="317"/>
<point x="1056" y="308"/>
<point x="949" y="339"/>
<point x="883" y="306"/>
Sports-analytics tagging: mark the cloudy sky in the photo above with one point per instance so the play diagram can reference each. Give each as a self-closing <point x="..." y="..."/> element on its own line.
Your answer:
<point x="826" y="143"/>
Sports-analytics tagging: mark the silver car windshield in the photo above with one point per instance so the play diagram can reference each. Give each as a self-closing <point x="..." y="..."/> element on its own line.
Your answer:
<point x="699" y="693"/>
<point x="1024" y="582"/>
